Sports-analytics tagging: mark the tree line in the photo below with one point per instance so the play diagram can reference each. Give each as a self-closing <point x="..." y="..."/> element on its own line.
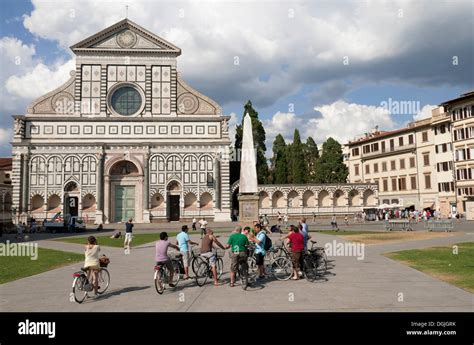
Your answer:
<point x="296" y="162"/>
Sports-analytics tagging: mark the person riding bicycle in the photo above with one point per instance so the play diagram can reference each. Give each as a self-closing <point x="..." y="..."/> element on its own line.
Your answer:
<point x="91" y="262"/>
<point x="206" y="251"/>
<point x="183" y="241"/>
<point x="162" y="257"/>
<point x="238" y="243"/>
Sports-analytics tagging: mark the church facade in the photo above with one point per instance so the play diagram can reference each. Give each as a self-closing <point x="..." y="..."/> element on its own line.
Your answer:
<point x="124" y="137"/>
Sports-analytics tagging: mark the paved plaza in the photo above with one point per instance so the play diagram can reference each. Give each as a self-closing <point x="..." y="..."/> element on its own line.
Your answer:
<point x="372" y="284"/>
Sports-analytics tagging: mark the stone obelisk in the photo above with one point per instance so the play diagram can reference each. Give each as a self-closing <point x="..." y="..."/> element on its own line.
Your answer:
<point x="248" y="185"/>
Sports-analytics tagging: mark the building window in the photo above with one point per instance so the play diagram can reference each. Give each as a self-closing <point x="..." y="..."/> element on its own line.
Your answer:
<point x="392" y="165"/>
<point x="410" y="139"/>
<point x="413" y="182"/>
<point x="394" y="184"/>
<point x="355" y="152"/>
<point x="376" y="168"/>
<point x="126" y="100"/>
<point x="356" y="170"/>
<point x="400" y="141"/>
<point x="424" y="137"/>
<point x="426" y="159"/>
<point x="384" y="166"/>
<point x="367" y="169"/>
<point x="428" y="181"/>
<point x="402" y="183"/>
<point x="385" y="185"/>
<point x="402" y="163"/>
<point x="412" y="162"/>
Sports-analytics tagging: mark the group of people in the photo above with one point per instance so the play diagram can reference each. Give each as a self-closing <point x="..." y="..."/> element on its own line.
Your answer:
<point x="238" y="243"/>
<point x="414" y="215"/>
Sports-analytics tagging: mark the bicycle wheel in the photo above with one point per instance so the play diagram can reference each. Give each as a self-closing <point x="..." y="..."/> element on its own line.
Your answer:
<point x="103" y="278"/>
<point x="219" y="267"/>
<point x="177" y="273"/>
<point x="202" y="272"/>
<point x="309" y="269"/>
<point x="252" y="267"/>
<point x="282" y="268"/>
<point x="194" y="264"/>
<point x="159" y="284"/>
<point x="78" y="289"/>
<point x="321" y="265"/>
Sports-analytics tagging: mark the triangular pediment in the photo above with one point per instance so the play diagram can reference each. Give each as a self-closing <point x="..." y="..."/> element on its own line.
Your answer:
<point x="126" y="36"/>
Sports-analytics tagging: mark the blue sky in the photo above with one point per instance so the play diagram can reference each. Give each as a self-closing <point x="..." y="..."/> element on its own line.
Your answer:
<point x="291" y="56"/>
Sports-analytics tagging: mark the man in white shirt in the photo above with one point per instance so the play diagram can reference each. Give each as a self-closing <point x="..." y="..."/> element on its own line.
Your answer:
<point x="203" y="225"/>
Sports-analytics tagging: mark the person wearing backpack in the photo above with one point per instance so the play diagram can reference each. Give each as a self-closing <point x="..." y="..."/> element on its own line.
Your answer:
<point x="262" y="242"/>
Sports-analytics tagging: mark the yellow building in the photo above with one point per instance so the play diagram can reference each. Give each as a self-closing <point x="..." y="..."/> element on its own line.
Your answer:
<point x="461" y="113"/>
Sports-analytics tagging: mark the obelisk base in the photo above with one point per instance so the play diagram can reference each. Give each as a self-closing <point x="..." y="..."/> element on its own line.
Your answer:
<point x="248" y="209"/>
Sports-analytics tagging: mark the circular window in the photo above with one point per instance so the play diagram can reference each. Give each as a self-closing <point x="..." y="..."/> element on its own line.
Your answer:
<point x="126" y="100"/>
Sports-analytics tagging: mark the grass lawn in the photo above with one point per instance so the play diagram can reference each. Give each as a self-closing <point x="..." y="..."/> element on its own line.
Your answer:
<point x="16" y="267"/>
<point x="374" y="238"/>
<point x="137" y="240"/>
<point x="344" y="233"/>
<point x="442" y="263"/>
<point x="106" y="241"/>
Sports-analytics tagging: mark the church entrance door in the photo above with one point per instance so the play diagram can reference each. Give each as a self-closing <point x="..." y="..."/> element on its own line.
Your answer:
<point x="174" y="207"/>
<point x="124" y="203"/>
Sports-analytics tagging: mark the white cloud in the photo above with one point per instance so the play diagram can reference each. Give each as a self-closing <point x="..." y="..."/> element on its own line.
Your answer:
<point x="339" y="120"/>
<point x="15" y="56"/>
<point x="233" y="122"/>
<point x="312" y="39"/>
<point x="424" y="113"/>
<point x="39" y="80"/>
<point x="342" y="121"/>
<point x="5" y="139"/>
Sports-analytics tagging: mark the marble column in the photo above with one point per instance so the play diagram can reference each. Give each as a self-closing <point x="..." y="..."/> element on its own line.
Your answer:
<point x="99" y="214"/>
<point x="146" y="189"/>
<point x="25" y="179"/>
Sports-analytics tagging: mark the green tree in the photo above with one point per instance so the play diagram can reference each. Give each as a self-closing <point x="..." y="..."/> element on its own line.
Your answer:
<point x="298" y="165"/>
<point x="279" y="163"/>
<point x="330" y="167"/>
<point x="311" y="156"/>
<point x="259" y="141"/>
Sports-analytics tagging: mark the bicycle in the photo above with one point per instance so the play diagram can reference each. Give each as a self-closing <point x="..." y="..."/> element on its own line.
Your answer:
<point x="194" y="255"/>
<point x="314" y="262"/>
<point x="81" y="285"/>
<point x="162" y="273"/>
<point x="280" y="250"/>
<point x="280" y="266"/>
<point x="204" y="268"/>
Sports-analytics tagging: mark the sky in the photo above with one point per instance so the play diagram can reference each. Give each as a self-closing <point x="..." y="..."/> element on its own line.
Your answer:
<point x="329" y="68"/>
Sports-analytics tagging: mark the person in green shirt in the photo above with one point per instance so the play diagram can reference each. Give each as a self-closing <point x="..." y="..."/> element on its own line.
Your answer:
<point x="237" y="243"/>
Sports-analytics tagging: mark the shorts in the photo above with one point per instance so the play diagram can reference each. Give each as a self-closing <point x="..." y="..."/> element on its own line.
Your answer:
<point x="128" y="236"/>
<point x="259" y="259"/>
<point x="93" y="268"/>
<point x="211" y="257"/>
<point x="166" y="263"/>
<point x="236" y="259"/>
<point x="185" y="258"/>
<point x="295" y="259"/>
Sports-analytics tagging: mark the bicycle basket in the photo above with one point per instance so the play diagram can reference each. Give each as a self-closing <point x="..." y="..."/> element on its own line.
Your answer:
<point x="196" y="250"/>
<point x="220" y="252"/>
<point x="104" y="261"/>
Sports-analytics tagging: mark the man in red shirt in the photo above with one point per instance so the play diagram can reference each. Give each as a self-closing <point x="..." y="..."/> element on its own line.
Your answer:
<point x="296" y="240"/>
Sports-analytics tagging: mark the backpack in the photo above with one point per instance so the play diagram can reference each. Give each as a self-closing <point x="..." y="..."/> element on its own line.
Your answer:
<point x="268" y="243"/>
